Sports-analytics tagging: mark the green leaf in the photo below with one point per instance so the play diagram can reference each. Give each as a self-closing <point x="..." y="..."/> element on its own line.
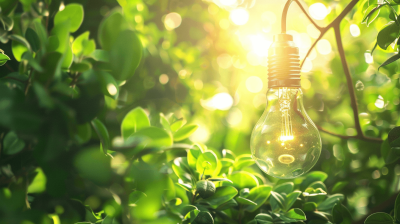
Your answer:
<point x="33" y="39"/>
<point x="390" y="60"/>
<point x="82" y="46"/>
<point x="185" y="132"/>
<point x="12" y="144"/>
<point x="296" y="213"/>
<point x="243" y="179"/>
<point x="229" y="204"/>
<point x="330" y="202"/>
<point x="387" y="35"/>
<point x="73" y="13"/>
<point x="38" y="184"/>
<point x="242" y="161"/>
<point x="192" y="156"/>
<point x="379" y="218"/>
<point x="157" y="137"/>
<point x="259" y="195"/>
<point x="219" y="179"/>
<point x="100" y="55"/>
<point x="209" y="157"/>
<point x="277" y="201"/>
<point x="397" y="208"/>
<point x="44" y="98"/>
<point x="102" y="132"/>
<point x="3" y="58"/>
<point x="226" y="153"/>
<point x="93" y="165"/>
<point x="164" y="122"/>
<point x="318" y="184"/>
<point x="109" y="220"/>
<point x="192" y="215"/>
<point x="83" y="133"/>
<point x="177" y="124"/>
<point x="291" y="199"/>
<point x="341" y="215"/>
<point x="339" y="186"/>
<point x="371" y="14"/>
<point x="204" y="218"/>
<point x="80" y="66"/>
<point x="389" y="154"/>
<point x="186" y="187"/>
<point x="284" y="188"/>
<point x="125" y="55"/>
<point x="309" y="206"/>
<point x="135" y="197"/>
<point x="263" y="218"/>
<point x="19" y="46"/>
<point x="312" y="177"/>
<point x="110" y="28"/>
<point x="394" y="137"/>
<point x="245" y="201"/>
<point x="133" y="121"/>
<point x="222" y="195"/>
<point x="205" y="188"/>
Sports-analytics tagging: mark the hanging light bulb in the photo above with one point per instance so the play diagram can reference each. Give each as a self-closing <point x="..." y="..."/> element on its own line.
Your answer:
<point x="285" y="143"/>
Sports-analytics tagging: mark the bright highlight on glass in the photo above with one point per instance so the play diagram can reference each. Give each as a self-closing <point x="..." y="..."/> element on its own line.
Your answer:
<point x="239" y="16"/>
<point x="318" y="11"/>
<point x="172" y="21"/>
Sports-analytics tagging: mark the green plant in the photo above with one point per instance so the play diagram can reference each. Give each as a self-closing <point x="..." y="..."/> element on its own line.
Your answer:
<point x="78" y="147"/>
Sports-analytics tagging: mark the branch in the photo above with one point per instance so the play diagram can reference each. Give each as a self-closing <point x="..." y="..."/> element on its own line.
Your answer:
<point x="335" y="24"/>
<point x="365" y="138"/>
<point x="308" y="16"/>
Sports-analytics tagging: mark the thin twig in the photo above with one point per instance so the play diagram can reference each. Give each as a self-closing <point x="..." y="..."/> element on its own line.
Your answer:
<point x="15" y="79"/>
<point x="308" y="16"/>
<point x="336" y="25"/>
<point x="28" y="83"/>
<point x="9" y="68"/>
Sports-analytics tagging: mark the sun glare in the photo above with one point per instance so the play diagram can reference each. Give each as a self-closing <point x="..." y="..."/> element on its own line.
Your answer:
<point x="239" y="16"/>
<point x="318" y="11"/>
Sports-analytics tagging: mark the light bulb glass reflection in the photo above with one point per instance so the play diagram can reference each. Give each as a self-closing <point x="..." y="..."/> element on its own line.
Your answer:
<point x="285" y="142"/>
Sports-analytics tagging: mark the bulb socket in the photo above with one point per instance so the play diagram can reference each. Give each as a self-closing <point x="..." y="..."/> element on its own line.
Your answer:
<point x="283" y="62"/>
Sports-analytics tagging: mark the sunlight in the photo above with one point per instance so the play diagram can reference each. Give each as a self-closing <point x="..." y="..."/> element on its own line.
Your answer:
<point x="228" y="2"/>
<point x="112" y="89"/>
<point x="260" y="45"/>
<point x="318" y="11"/>
<point x="239" y="16"/>
<point x="220" y="101"/>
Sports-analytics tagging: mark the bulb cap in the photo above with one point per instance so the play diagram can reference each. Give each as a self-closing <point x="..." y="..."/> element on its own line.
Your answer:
<point x="283" y="62"/>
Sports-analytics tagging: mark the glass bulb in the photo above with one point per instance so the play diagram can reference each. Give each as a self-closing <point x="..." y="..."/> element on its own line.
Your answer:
<point x="285" y="142"/>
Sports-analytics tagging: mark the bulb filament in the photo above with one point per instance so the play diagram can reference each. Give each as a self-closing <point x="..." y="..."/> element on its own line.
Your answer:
<point x="284" y="103"/>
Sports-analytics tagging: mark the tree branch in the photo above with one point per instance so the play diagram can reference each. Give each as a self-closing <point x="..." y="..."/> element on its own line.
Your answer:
<point x="335" y="24"/>
<point x="308" y="16"/>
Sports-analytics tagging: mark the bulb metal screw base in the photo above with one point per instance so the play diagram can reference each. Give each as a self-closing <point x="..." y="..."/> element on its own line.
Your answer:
<point x="283" y="62"/>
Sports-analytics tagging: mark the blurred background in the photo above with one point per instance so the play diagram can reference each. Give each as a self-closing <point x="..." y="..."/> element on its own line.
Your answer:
<point x="206" y="61"/>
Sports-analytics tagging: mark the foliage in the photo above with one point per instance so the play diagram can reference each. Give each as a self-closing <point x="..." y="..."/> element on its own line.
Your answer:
<point x="105" y="117"/>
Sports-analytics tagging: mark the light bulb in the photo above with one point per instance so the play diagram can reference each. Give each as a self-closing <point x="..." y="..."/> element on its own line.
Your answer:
<point x="285" y="143"/>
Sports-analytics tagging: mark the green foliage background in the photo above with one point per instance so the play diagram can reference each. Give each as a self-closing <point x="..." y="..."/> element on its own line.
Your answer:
<point x="90" y="135"/>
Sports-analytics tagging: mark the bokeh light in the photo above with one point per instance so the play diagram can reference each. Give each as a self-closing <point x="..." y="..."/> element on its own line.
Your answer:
<point x="220" y="101"/>
<point x="260" y="45"/>
<point x="355" y="30"/>
<point x="228" y="2"/>
<point x="164" y="79"/>
<point x="368" y="57"/>
<point x="172" y="21"/>
<point x="254" y="84"/>
<point x="112" y="89"/>
<point x="318" y="11"/>
<point x="324" y="47"/>
<point x="234" y="117"/>
<point x="239" y="16"/>
<point x="224" y="61"/>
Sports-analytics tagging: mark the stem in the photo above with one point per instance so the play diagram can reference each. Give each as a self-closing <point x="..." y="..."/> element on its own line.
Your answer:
<point x="28" y="83"/>
<point x="9" y="68"/>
